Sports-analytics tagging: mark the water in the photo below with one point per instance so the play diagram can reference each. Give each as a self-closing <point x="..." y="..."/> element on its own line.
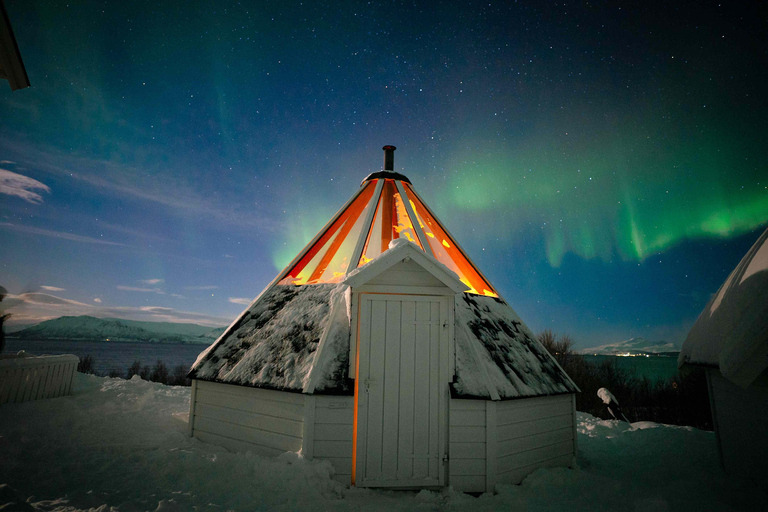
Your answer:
<point x="119" y="356"/>
<point x="655" y="367"/>
<point x="112" y="355"/>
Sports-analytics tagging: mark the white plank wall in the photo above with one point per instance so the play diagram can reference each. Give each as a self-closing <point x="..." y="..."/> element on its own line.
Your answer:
<point x="533" y="433"/>
<point x="501" y="442"/>
<point x="248" y="419"/>
<point x="35" y="378"/>
<point x="467" y="445"/>
<point x="408" y="274"/>
<point x="333" y="434"/>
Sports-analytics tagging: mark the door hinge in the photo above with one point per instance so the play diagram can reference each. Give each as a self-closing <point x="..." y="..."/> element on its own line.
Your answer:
<point x="445" y="459"/>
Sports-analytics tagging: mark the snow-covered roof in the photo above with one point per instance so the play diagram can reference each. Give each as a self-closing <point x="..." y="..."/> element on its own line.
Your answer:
<point x="274" y="345"/>
<point x="497" y="356"/>
<point x="732" y="331"/>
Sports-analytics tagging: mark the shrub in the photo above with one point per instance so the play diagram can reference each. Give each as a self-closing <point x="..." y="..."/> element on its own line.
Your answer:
<point x="87" y="364"/>
<point x="134" y="369"/>
<point x="681" y="400"/>
<point x="159" y="373"/>
<point x="179" y="377"/>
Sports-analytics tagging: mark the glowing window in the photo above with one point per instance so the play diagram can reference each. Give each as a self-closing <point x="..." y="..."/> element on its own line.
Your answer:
<point x="327" y="260"/>
<point x="445" y="249"/>
<point x="390" y="223"/>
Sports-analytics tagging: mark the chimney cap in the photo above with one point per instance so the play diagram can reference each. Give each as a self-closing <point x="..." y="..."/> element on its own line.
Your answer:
<point x="388" y="172"/>
<point x="389" y="158"/>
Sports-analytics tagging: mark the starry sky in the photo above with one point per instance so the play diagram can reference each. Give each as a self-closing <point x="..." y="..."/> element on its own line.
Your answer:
<point x="603" y="163"/>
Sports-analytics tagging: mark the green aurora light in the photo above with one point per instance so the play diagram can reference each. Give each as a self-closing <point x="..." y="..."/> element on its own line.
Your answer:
<point x="614" y="194"/>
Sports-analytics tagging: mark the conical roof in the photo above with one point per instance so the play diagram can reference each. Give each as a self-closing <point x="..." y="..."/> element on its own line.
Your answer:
<point x="276" y="342"/>
<point x="385" y="208"/>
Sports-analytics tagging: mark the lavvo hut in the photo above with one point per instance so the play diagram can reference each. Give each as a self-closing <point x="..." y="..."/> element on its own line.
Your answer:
<point x="384" y="350"/>
<point x="730" y="342"/>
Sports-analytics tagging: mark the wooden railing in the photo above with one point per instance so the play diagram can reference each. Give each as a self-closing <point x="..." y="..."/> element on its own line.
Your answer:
<point x="24" y="378"/>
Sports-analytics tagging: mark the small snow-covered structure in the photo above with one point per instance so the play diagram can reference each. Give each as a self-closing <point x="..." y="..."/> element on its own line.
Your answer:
<point x="383" y="349"/>
<point x="730" y="340"/>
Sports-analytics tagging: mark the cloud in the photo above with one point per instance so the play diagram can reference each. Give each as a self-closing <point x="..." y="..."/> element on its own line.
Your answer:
<point x="139" y="289"/>
<point x="240" y="300"/>
<point x="97" y="300"/>
<point x="152" y="281"/>
<point x="207" y="287"/>
<point x="178" y="296"/>
<point x="35" y="307"/>
<point x="177" y="191"/>
<point x="21" y="186"/>
<point x="57" y="234"/>
<point x="52" y="288"/>
<point x="6" y="162"/>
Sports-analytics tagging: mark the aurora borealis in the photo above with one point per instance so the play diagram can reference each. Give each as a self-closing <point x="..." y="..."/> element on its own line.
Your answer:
<point x="604" y="164"/>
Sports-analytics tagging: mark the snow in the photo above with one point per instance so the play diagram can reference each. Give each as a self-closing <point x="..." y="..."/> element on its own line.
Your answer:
<point x="122" y="445"/>
<point x="732" y="330"/>
<point x="606" y="396"/>
<point x="273" y="345"/>
<point x="496" y="352"/>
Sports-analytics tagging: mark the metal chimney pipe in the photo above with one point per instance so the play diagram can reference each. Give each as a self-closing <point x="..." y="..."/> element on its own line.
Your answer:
<point x="389" y="158"/>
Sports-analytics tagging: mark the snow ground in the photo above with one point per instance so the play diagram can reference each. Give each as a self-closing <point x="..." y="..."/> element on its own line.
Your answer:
<point x="122" y="445"/>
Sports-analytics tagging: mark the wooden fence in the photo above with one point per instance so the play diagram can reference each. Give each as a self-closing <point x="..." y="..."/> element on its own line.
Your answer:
<point x="24" y="378"/>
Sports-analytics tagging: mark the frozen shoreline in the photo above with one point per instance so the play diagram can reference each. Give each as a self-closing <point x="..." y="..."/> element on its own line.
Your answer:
<point x="122" y="445"/>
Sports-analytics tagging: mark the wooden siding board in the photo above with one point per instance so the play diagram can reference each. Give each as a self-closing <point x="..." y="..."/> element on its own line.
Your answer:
<point x="534" y="440"/>
<point x="467" y="451"/>
<point x="509" y="416"/>
<point x="375" y="389"/>
<point x="467" y="467"/>
<point x="192" y="406"/>
<point x="325" y="449"/>
<point x="458" y="404"/>
<point x="422" y="399"/>
<point x="283" y="426"/>
<point x="251" y="435"/>
<point x="249" y="392"/>
<point x="468" y="418"/>
<point x="308" y="428"/>
<point x="491" y="445"/>
<point x="236" y="445"/>
<point x="325" y="432"/>
<point x="251" y="404"/>
<point x="406" y="279"/>
<point x="518" y="430"/>
<point x="535" y="456"/>
<point x="407" y="382"/>
<point x="329" y="416"/>
<point x="391" y="405"/>
<point x="466" y="434"/>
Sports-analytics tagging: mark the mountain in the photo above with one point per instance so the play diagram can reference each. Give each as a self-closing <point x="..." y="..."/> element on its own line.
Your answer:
<point x="638" y="346"/>
<point x="115" y="329"/>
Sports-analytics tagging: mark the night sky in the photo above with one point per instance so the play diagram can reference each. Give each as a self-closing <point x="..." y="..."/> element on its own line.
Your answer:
<point x="603" y="163"/>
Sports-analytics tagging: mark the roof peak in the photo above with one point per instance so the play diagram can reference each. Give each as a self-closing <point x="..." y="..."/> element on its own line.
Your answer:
<point x="387" y="175"/>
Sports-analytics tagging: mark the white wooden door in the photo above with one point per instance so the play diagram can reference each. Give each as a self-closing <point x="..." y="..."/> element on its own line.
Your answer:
<point x="403" y="391"/>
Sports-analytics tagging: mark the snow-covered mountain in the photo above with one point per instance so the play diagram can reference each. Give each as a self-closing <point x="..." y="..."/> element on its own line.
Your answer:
<point x="115" y="329"/>
<point x="632" y="346"/>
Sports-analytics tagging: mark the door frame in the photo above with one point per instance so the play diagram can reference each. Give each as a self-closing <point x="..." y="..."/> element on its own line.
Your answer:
<point x="446" y="365"/>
